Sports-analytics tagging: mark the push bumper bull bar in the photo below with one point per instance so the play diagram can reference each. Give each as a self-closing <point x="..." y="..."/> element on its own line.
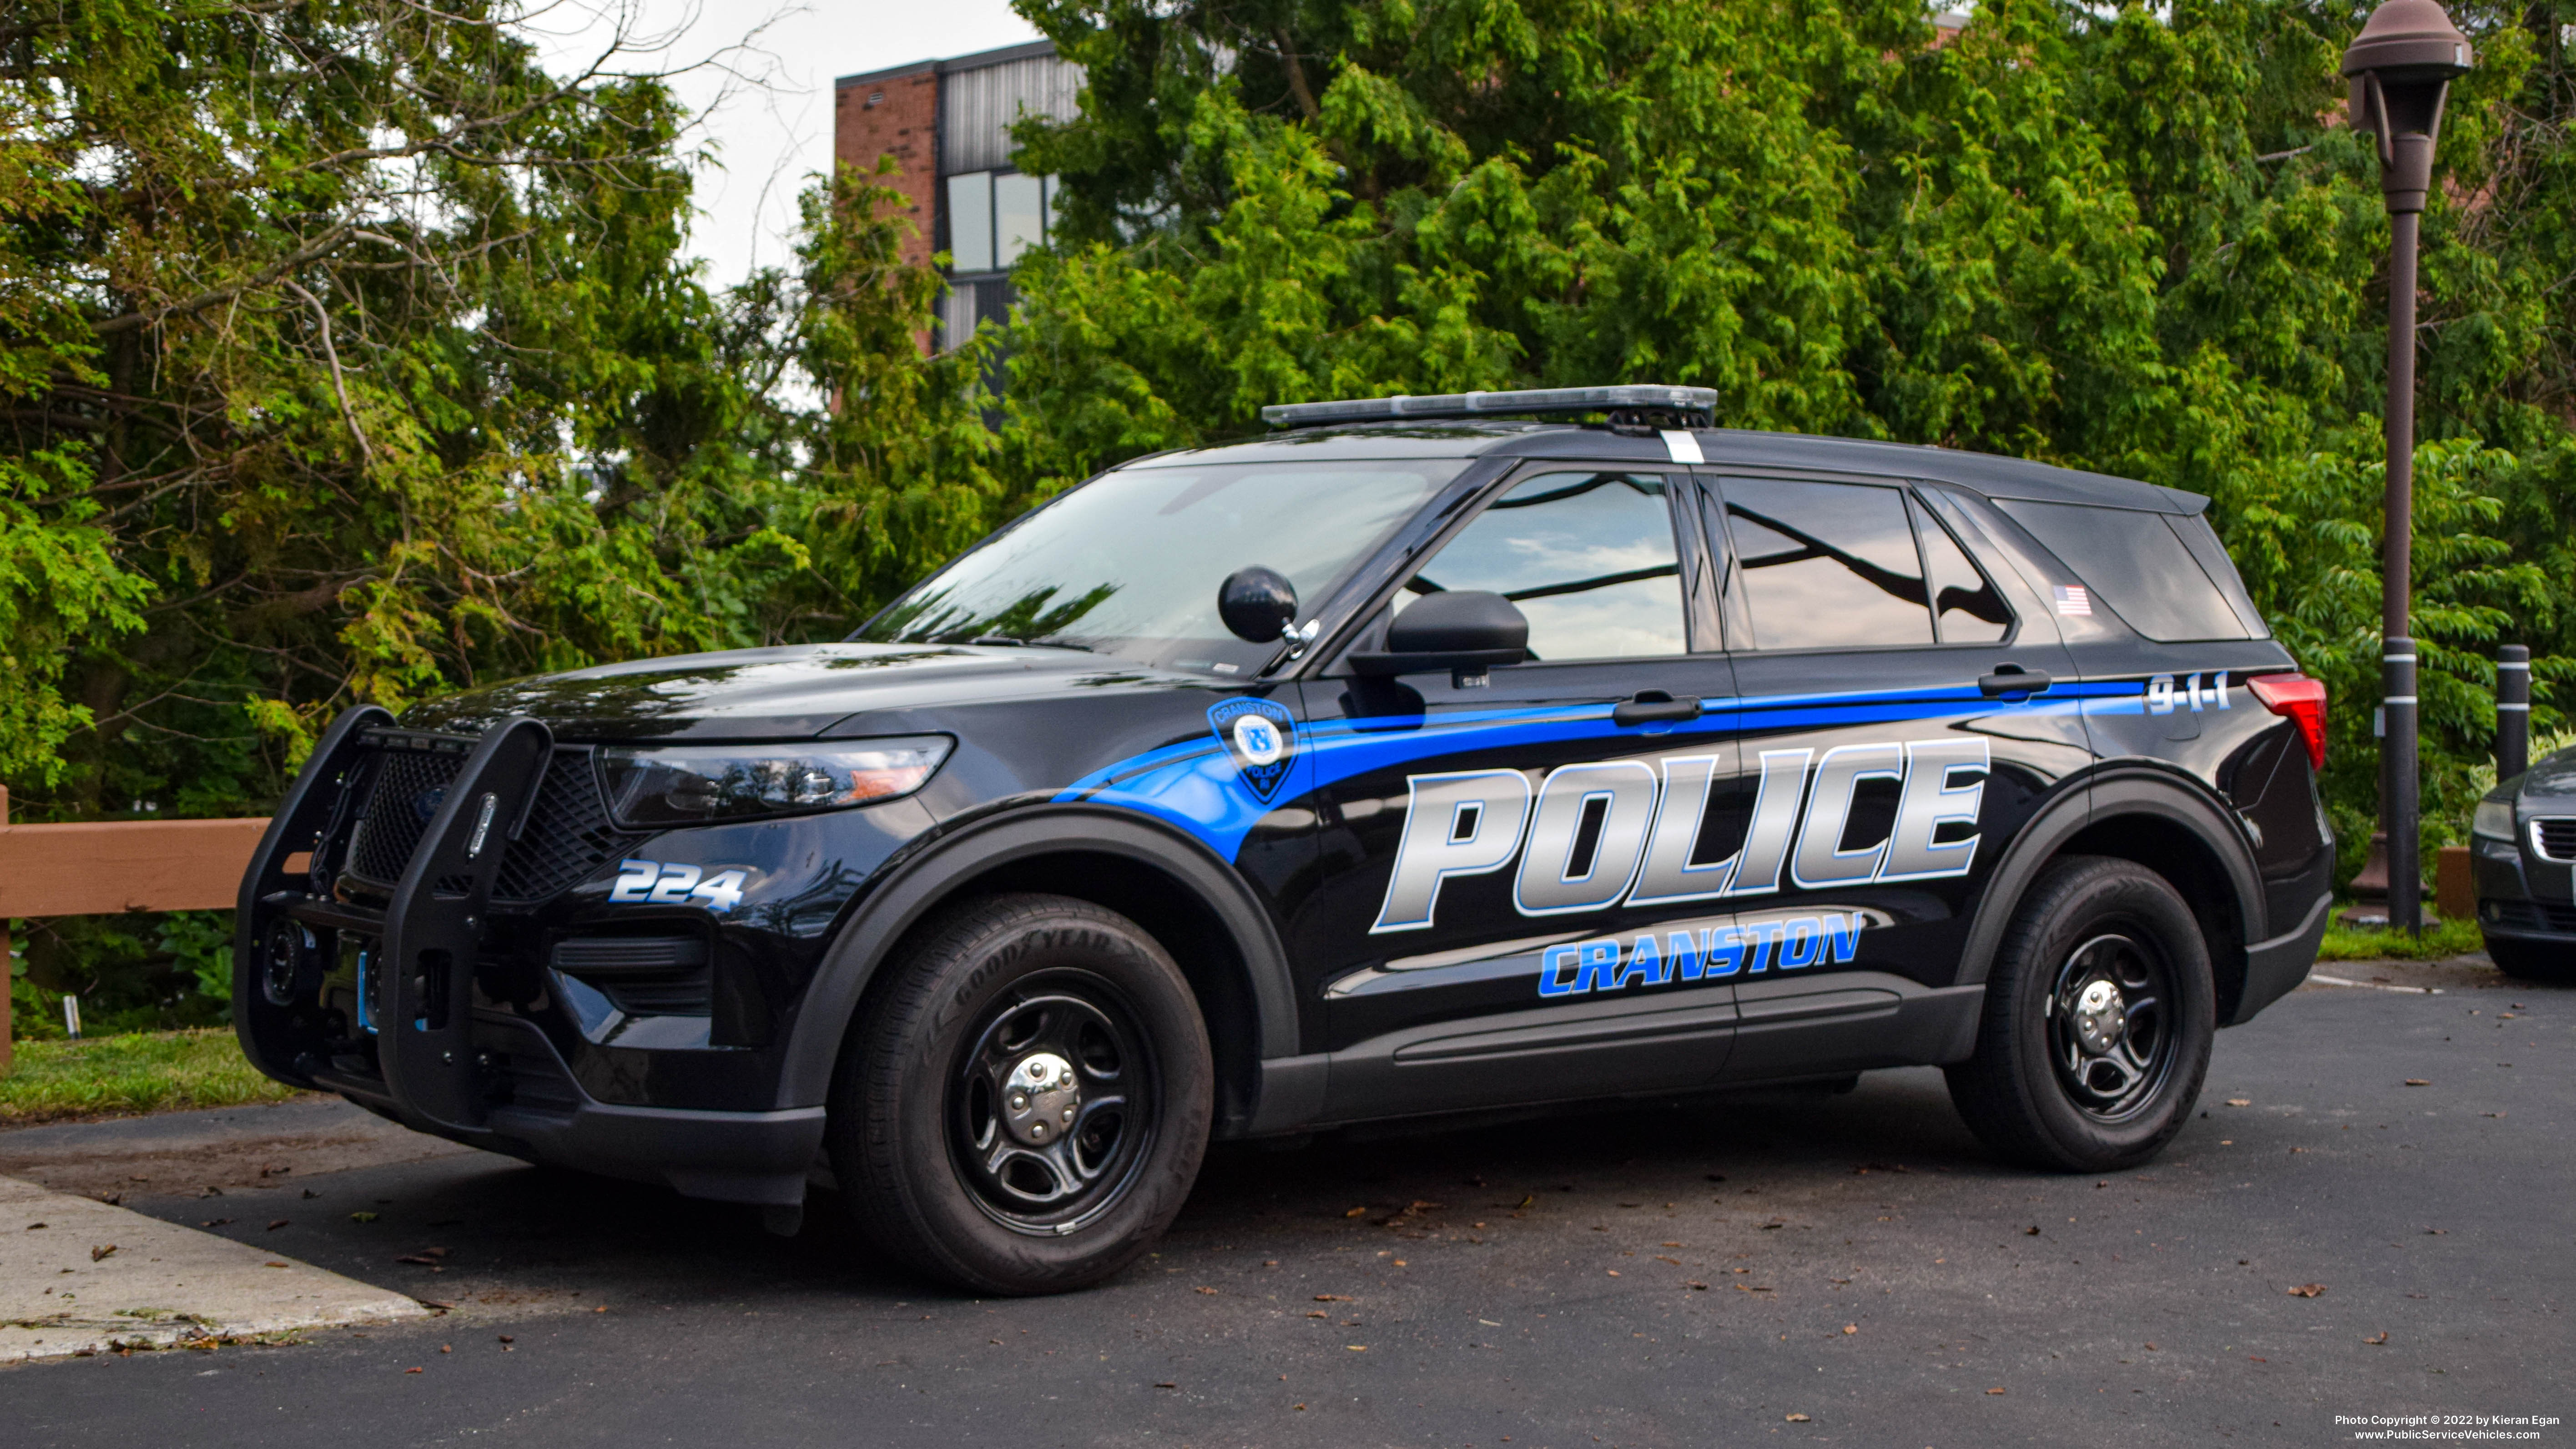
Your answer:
<point x="432" y="1047"/>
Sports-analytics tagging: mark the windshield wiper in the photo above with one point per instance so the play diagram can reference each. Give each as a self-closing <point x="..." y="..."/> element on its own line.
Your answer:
<point x="1030" y="643"/>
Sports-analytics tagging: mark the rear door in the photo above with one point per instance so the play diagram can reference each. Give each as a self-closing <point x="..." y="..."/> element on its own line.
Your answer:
<point x="1886" y="761"/>
<point x="1495" y="847"/>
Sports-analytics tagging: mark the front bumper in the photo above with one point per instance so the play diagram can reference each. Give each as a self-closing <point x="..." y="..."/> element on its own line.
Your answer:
<point x="749" y="1157"/>
<point x="419" y="1046"/>
<point x="2519" y="897"/>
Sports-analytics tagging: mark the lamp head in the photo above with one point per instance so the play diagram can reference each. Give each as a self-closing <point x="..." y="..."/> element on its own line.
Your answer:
<point x="2401" y="67"/>
<point x="2409" y="40"/>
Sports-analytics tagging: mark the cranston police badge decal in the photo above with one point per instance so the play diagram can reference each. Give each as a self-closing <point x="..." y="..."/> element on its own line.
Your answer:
<point x="1262" y="737"/>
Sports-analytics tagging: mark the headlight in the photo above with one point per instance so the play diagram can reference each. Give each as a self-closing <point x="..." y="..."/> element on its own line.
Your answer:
<point x="2493" y="819"/>
<point x="699" y="784"/>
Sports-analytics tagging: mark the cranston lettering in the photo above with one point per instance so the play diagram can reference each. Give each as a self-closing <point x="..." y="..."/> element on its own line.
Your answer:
<point x="1708" y="953"/>
<point x="1477" y="822"/>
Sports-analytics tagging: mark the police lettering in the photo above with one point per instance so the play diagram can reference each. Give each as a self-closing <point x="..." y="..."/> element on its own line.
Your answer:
<point x="1477" y="822"/>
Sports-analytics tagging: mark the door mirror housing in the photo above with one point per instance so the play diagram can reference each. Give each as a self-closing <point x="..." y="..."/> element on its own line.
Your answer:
<point x="1461" y="629"/>
<point x="1259" y="605"/>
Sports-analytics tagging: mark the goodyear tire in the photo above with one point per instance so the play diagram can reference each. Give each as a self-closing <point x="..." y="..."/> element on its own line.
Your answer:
<point x="2099" y="1017"/>
<point x="1024" y="1104"/>
<point x="2533" y="961"/>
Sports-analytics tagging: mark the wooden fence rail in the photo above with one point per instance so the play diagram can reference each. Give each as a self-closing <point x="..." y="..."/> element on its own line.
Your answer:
<point x="109" y="867"/>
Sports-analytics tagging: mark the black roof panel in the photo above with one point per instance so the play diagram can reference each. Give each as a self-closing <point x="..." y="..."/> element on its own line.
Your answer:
<point x="1991" y="475"/>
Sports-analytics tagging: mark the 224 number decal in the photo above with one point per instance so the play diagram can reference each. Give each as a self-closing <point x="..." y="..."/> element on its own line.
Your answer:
<point x="653" y="882"/>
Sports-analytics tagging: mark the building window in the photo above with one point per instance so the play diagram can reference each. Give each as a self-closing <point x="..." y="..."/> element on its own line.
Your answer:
<point x="994" y="216"/>
<point x="970" y="222"/>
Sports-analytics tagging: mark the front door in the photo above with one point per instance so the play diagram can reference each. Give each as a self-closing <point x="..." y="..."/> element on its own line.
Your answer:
<point x="1512" y="877"/>
<point x="1886" y="761"/>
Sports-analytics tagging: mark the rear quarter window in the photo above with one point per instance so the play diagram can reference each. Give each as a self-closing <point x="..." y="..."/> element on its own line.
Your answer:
<point x="2138" y="565"/>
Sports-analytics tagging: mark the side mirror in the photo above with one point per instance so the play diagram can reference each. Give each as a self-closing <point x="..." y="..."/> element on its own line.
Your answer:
<point x="1258" y="604"/>
<point x="1458" y="630"/>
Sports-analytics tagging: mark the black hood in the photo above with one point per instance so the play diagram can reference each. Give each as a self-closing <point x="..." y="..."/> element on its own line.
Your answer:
<point x="2551" y="777"/>
<point x="790" y="692"/>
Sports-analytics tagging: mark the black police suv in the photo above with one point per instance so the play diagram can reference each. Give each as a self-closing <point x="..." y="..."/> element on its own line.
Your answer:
<point x="1427" y="756"/>
<point x="2522" y="862"/>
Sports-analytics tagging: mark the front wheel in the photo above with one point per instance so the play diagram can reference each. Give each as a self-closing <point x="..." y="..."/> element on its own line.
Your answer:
<point x="1024" y="1106"/>
<point x="2099" y="1017"/>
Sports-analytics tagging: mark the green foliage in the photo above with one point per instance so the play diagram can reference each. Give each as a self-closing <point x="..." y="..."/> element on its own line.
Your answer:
<point x="121" y="1076"/>
<point x="2440" y="942"/>
<point x="347" y="355"/>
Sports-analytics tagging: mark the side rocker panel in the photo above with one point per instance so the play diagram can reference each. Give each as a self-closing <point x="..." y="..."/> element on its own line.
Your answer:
<point x="921" y="885"/>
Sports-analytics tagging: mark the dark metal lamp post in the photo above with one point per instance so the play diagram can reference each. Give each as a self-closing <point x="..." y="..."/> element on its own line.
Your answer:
<point x="2401" y="67"/>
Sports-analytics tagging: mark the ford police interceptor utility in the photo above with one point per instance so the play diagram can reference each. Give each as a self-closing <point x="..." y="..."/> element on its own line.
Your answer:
<point x="1427" y="756"/>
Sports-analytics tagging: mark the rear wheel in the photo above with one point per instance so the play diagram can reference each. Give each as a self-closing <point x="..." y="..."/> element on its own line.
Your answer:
<point x="2098" y="1022"/>
<point x="1024" y="1107"/>
<point x="2533" y="960"/>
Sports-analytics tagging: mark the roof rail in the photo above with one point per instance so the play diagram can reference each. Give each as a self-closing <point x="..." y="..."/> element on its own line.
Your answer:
<point x="1700" y="403"/>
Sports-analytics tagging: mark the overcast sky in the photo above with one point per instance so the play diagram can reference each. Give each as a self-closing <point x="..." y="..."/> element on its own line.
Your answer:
<point x="767" y="95"/>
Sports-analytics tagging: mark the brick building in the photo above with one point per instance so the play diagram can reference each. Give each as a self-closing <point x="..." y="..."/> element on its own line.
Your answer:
<point x="947" y="124"/>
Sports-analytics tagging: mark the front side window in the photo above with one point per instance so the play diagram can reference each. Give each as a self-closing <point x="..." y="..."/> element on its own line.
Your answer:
<point x="1129" y="564"/>
<point x="1588" y="557"/>
<point x="1826" y="565"/>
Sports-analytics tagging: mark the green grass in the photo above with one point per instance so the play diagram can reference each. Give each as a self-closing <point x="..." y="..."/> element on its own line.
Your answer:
<point x="2439" y="943"/>
<point x="126" y="1076"/>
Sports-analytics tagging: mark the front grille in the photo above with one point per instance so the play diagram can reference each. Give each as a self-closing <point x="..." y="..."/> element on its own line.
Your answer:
<point x="568" y="834"/>
<point x="409" y="785"/>
<point x="2555" y="838"/>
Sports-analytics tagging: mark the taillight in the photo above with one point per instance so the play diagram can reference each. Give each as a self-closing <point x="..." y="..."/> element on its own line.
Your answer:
<point x="2301" y="701"/>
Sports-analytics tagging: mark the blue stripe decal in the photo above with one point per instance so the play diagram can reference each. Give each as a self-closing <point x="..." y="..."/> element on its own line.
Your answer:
<point x="1194" y="785"/>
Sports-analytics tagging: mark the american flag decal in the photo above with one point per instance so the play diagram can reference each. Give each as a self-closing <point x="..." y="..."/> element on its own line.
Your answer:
<point x="2071" y="599"/>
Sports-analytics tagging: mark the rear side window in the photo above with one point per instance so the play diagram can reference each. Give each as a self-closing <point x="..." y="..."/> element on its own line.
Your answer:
<point x="2203" y="542"/>
<point x="1965" y="608"/>
<point x="2138" y="565"/>
<point x="1826" y="565"/>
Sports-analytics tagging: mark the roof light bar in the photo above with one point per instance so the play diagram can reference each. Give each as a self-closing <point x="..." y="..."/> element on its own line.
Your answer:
<point x="1656" y="396"/>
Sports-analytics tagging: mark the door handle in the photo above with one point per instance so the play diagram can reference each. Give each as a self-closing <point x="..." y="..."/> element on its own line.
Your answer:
<point x="2012" y="679"/>
<point x="1653" y="705"/>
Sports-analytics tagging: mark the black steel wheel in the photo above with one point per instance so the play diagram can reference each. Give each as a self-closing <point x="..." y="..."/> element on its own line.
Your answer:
<point x="1053" y="1104"/>
<point x="2108" y="1035"/>
<point x="2098" y="1021"/>
<point x="1024" y="1102"/>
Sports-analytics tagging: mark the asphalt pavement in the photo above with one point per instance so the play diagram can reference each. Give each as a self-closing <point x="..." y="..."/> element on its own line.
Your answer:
<point x="2372" y="1217"/>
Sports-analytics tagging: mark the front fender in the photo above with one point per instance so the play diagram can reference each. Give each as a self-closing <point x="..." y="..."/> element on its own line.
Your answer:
<point x="919" y="885"/>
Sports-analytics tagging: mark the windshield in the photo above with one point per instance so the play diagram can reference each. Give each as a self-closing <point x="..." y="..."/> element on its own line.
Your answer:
<point x="1129" y="563"/>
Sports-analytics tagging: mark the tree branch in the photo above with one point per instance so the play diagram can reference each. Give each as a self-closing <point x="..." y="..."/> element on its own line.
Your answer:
<point x="338" y="384"/>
